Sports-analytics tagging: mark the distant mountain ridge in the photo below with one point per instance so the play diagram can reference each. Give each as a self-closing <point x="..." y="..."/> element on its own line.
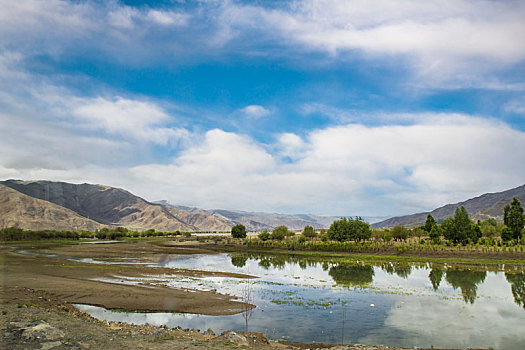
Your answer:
<point x="488" y="205"/>
<point x="256" y="221"/>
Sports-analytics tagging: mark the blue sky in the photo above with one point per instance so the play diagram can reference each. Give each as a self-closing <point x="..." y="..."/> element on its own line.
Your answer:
<point x="326" y="107"/>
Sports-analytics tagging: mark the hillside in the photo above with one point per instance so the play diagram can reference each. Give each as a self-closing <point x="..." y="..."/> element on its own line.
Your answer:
<point x="489" y="205"/>
<point x="263" y="221"/>
<point x="114" y="206"/>
<point x="20" y="210"/>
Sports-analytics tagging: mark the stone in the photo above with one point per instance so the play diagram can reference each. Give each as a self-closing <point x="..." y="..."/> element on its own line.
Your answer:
<point x="235" y="338"/>
<point x="39" y="330"/>
<point x="50" y="345"/>
<point x="209" y="331"/>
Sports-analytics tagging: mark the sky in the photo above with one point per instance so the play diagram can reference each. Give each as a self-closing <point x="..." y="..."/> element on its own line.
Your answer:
<point x="342" y="107"/>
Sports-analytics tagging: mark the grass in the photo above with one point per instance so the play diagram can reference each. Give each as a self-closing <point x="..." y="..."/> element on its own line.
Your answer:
<point x="375" y="257"/>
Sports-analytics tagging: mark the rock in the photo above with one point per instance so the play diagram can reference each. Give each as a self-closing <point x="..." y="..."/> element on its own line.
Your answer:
<point x="209" y="331"/>
<point x="39" y="330"/>
<point x="235" y="338"/>
<point x="50" y="345"/>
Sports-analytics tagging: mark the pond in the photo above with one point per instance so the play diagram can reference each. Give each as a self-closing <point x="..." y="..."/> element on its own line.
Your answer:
<point x="336" y="300"/>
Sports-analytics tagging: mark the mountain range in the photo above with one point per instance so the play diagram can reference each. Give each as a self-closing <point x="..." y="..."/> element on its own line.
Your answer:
<point x="488" y="205"/>
<point x="67" y="206"/>
<point x="61" y="205"/>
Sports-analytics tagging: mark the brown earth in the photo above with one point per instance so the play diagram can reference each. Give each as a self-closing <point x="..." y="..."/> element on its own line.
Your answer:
<point x="73" y="282"/>
<point x="20" y="210"/>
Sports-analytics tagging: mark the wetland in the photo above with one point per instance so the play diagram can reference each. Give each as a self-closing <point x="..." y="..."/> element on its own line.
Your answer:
<point x="343" y="299"/>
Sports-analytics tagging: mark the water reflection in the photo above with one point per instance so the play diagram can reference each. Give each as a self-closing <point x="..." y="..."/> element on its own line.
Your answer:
<point x="352" y="274"/>
<point x="466" y="280"/>
<point x="435" y="276"/>
<point x="358" y="274"/>
<point x="239" y="260"/>
<point x="313" y="298"/>
<point x="517" y="285"/>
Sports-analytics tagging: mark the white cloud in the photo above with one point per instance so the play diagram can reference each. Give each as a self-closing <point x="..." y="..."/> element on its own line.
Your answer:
<point x="254" y="111"/>
<point x="345" y="170"/>
<point x="48" y="127"/>
<point x="168" y="17"/>
<point x="516" y="106"/>
<point x="127" y="117"/>
<point x="447" y="41"/>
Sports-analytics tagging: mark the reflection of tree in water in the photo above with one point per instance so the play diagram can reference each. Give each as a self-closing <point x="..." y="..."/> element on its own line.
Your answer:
<point x="239" y="260"/>
<point x="403" y="271"/>
<point x="355" y="275"/>
<point x="388" y="268"/>
<point x="265" y="263"/>
<point x="517" y="285"/>
<point x="467" y="281"/>
<point x="435" y="277"/>
<point x="278" y="262"/>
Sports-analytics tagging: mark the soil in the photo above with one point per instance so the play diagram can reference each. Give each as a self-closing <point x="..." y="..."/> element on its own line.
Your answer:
<point x="37" y="288"/>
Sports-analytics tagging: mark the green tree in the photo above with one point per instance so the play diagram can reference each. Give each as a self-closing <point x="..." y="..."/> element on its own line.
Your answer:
<point x="434" y="234"/>
<point x="309" y="232"/>
<point x="430" y="223"/>
<point x="349" y="229"/>
<point x="460" y="229"/>
<point x="264" y="235"/>
<point x="513" y="218"/>
<point x="280" y="232"/>
<point x="238" y="231"/>
<point x="399" y="232"/>
<point x="506" y="234"/>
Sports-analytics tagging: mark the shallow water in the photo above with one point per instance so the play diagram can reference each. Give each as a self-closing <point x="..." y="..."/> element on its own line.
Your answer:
<point x="329" y="301"/>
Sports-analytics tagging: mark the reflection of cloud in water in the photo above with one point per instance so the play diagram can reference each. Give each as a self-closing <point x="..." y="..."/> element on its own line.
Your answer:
<point x="452" y="323"/>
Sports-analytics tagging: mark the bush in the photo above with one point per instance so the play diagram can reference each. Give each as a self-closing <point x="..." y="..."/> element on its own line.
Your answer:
<point x="349" y="229"/>
<point x="506" y="234"/>
<point x="309" y="232"/>
<point x="238" y="231"/>
<point x="301" y="239"/>
<point x="399" y="232"/>
<point x="280" y="232"/>
<point x="264" y="235"/>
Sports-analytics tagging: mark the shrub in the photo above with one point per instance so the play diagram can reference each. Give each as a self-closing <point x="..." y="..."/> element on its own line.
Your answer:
<point x="280" y="232"/>
<point x="399" y="232"/>
<point x="349" y="229"/>
<point x="301" y="239"/>
<point x="238" y="231"/>
<point x="309" y="232"/>
<point x="264" y="235"/>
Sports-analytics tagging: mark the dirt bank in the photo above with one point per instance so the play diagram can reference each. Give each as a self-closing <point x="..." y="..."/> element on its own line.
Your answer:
<point x="73" y="282"/>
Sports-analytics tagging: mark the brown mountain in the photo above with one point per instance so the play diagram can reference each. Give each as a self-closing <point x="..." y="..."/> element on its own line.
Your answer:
<point x="20" y="210"/>
<point x="489" y="205"/>
<point x="114" y="206"/>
